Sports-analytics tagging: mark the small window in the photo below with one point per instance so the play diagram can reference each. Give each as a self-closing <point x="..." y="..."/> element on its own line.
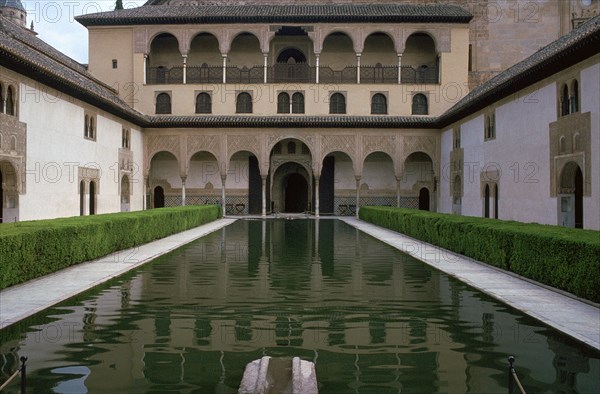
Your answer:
<point x="126" y="139"/>
<point x="86" y="127"/>
<point x="562" y="145"/>
<point x="203" y="103"/>
<point x="378" y="104"/>
<point x="565" y="101"/>
<point x="490" y="127"/>
<point x="163" y="103"/>
<point x="419" y="104"/>
<point x="115" y="63"/>
<point x="575" y="97"/>
<point x="283" y="103"/>
<point x="10" y="101"/>
<point x="297" y="103"/>
<point x="244" y="103"/>
<point x="291" y="148"/>
<point x="456" y="143"/>
<point x="337" y="104"/>
<point x="92" y="129"/>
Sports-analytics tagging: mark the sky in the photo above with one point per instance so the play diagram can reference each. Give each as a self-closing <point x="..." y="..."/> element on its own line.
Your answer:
<point x="55" y="23"/>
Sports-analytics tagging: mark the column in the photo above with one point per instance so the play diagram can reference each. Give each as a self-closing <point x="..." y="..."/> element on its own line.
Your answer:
<point x="266" y="65"/>
<point x="224" y="68"/>
<point x="358" y="70"/>
<point x="224" y="183"/>
<point x="145" y="65"/>
<point x="184" y="69"/>
<point x="183" y="179"/>
<point x="147" y="193"/>
<point x="316" y="196"/>
<point x="398" y="179"/>
<point x="357" y="194"/>
<point x="317" y="71"/>
<point x="399" y="68"/>
<point x="264" y="195"/>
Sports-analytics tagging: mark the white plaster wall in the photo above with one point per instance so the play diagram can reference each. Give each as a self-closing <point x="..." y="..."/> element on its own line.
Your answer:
<point x="168" y="170"/>
<point x="379" y="173"/>
<point x="343" y="174"/>
<point x="590" y="102"/>
<point x="56" y="148"/>
<point x="445" y="200"/>
<point x="238" y="173"/>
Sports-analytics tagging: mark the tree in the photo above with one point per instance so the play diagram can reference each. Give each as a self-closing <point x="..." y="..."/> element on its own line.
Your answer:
<point x="119" y="5"/>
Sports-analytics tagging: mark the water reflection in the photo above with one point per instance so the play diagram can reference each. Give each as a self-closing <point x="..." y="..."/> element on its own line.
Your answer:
<point x="374" y="320"/>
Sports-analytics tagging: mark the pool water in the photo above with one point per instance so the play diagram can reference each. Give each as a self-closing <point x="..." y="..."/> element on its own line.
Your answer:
<point x="373" y="320"/>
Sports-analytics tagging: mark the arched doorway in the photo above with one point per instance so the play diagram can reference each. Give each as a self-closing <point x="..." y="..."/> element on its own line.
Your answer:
<point x="424" y="199"/>
<point x="570" y="198"/>
<point x="92" y="198"/>
<point x="165" y="171"/>
<point x="296" y="193"/>
<point x="81" y="198"/>
<point x="159" y="197"/>
<point x="486" y="201"/>
<point x="1" y="196"/>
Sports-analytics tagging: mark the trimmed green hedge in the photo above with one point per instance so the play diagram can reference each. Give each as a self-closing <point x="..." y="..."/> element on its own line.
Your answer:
<point x="32" y="249"/>
<point x="564" y="258"/>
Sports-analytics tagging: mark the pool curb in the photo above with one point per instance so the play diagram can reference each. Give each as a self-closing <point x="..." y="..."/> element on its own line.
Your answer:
<point x="24" y="300"/>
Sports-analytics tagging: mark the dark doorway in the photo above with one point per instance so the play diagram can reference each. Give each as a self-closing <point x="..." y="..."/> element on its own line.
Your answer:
<point x="254" y="187"/>
<point x="578" y="198"/>
<point x="496" y="199"/>
<point x="326" y="192"/>
<point x="92" y="198"/>
<point x="159" y="197"/>
<point x="81" y="198"/>
<point x="296" y="193"/>
<point x="486" y="203"/>
<point x="1" y="197"/>
<point x="424" y="199"/>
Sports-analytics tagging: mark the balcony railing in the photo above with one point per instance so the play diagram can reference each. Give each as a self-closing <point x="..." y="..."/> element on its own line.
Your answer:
<point x="292" y="73"/>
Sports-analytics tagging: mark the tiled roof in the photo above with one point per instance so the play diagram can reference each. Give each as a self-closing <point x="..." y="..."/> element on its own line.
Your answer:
<point x="297" y="13"/>
<point x="23" y="52"/>
<point x="299" y="121"/>
<point x="568" y="50"/>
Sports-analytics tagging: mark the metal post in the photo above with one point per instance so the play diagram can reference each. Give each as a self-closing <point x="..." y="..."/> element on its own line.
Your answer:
<point x="23" y="374"/>
<point x="511" y="380"/>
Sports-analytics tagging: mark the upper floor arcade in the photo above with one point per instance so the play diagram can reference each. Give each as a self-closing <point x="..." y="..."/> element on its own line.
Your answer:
<point x="153" y="49"/>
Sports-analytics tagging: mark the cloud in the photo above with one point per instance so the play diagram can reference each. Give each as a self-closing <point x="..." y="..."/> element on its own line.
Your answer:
<point x="55" y="23"/>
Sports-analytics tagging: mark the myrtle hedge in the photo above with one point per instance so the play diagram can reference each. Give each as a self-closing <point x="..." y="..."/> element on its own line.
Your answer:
<point x="564" y="258"/>
<point x="35" y="248"/>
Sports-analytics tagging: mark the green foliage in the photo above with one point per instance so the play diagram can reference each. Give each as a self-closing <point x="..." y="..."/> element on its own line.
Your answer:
<point x="119" y="5"/>
<point x="32" y="249"/>
<point x="564" y="258"/>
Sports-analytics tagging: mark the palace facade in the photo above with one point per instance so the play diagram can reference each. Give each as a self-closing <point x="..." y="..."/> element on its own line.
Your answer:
<point x="268" y="107"/>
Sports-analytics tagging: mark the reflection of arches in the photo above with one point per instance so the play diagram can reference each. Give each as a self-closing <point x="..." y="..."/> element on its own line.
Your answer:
<point x="92" y="198"/>
<point x="159" y="197"/>
<point x="424" y="199"/>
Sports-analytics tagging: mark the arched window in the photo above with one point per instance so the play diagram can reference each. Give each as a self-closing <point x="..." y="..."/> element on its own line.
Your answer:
<point x="419" y="105"/>
<point x="378" y="104"/>
<point x="575" y="97"/>
<point x="291" y="148"/>
<point x="297" y="103"/>
<point x="283" y="103"/>
<point x="91" y="129"/>
<point x="562" y="144"/>
<point x="337" y="104"/>
<point x="244" y="103"/>
<point x="576" y="142"/>
<point x="163" y="103"/>
<point x="203" y="103"/>
<point x="565" y="101"/>
<point x="10" y="101"/>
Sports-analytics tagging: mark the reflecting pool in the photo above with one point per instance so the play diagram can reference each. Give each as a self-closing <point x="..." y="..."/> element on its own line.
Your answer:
<point x="373" y="319"/>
